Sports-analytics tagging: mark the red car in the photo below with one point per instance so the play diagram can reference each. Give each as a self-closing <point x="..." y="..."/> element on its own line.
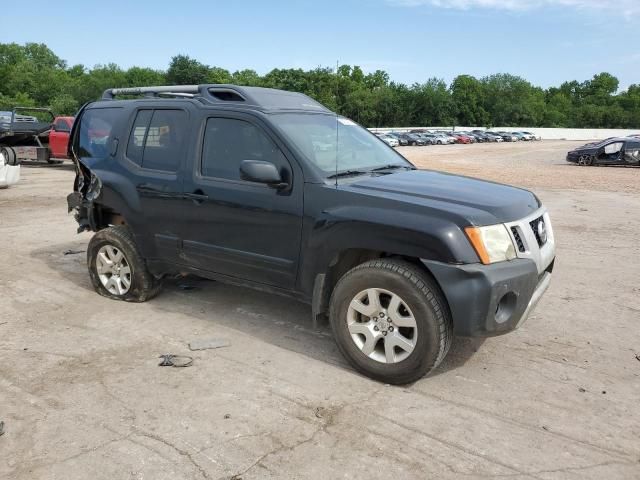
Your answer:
<point x="59" y="136"/>
<point x="460" y="138"/>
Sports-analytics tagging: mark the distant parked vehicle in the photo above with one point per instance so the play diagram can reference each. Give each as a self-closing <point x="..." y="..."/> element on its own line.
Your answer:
<point x="402" y="140"/>
<point x="416" y="140"/>
<point x="530" y="136"/>
<point x="508" y="137"/>
<point x="460" y="138"/>
<point x="25" y="137"/>
<point x="612" y="151"/>
<point x="520" y="136"/>
<point x="429" y="139"/>
<point x="59" y="137"/>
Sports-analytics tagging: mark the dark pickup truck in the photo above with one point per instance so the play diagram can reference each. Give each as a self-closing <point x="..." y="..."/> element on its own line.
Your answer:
<point x="270" y="189"/>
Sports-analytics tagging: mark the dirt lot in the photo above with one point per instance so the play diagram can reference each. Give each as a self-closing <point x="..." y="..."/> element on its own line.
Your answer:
<point x="82" y="396"/>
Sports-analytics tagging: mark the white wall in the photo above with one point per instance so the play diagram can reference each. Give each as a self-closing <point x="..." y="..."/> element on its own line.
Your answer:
<point x="545" y="133"/>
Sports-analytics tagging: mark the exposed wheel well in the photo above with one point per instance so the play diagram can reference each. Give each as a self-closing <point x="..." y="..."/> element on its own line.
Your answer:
<point x="104" y="217"/>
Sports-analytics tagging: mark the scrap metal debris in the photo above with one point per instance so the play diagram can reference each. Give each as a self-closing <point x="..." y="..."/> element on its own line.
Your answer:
<point x="1" y="428"/>
<point x="72" y="252"/>
<point x="208" y="343"/>
<point x="169" y="360"/>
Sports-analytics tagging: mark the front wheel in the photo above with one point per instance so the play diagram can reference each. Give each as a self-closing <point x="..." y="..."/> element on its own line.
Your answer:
<point x="390" y="320"/>
<point x="117" y="269"/>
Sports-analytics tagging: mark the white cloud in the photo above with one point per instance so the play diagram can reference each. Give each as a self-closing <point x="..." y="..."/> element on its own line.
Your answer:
<point x="623" y="7"/>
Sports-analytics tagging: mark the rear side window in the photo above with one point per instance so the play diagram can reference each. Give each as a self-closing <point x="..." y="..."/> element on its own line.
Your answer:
<point x="135" y="147"/>
<point x="96" y="131"/>
<point x="227" y="142"/>
<point x="157" y="138"/>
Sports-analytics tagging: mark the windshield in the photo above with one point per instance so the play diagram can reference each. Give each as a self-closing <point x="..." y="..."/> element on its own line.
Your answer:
<point x="336" y="144"/>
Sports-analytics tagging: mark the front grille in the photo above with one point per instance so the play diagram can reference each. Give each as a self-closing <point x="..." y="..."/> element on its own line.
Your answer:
<point x="534" y="227"/>
<point x="518" y="239"/>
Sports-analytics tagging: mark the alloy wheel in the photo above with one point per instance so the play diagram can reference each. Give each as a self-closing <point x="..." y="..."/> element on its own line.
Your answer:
<point x="113" y="270"/>
<point x="382" y="325"/>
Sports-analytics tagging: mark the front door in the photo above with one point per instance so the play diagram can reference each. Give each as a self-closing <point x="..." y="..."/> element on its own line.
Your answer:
<point x="235" y="227"/>
<point x="59" y="138"/>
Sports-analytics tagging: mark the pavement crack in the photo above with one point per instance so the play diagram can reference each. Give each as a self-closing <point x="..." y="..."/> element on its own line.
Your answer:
<point x="184" y="453"/>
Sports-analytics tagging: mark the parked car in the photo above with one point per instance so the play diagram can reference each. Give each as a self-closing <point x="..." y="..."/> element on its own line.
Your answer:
<point x="493" y="137"/>
<point x="59" y="136"/>
<point x="612" y="151"/>
<point x="428" y="139"/>
<point x="530" y="136"/>
<point x="508" y="137"/>
<point x="402" y="139"/>
<point x="226" y="184"/>
<point x="9" y="168"/>
<point x="415" y="139"/>
<point x="460" y="138"/>
<point x="521" y="136"/>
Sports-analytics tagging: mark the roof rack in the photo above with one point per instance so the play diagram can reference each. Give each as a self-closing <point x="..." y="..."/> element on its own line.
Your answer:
<point x="264" y="98"/>
<point x="178" y="90"/>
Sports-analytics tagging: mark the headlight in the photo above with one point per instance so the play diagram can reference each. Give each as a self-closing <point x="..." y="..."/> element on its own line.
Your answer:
<point x="492" y="243"/>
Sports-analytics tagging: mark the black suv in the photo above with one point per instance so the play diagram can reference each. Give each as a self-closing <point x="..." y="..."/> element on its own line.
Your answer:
<point x="270" y="189"/>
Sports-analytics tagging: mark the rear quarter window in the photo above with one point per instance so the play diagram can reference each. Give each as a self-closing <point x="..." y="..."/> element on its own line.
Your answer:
<point x="96" y="130"/>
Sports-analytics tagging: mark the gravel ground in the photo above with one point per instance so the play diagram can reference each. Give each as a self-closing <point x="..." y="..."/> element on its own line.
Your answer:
<point x="535" y="165"/>
<point x="82" y="396"/>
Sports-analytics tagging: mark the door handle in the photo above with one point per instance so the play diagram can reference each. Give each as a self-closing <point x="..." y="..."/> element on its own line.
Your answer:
<point x="198" y="197"/>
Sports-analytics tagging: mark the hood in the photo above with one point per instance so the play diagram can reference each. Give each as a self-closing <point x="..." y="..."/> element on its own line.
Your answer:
<point x="472" y="201"/>
<point x="586" y="148"/>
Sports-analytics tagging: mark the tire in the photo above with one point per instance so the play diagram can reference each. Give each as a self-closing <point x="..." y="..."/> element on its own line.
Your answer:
<point x="419" y="297"/>
<point x="10" y="156"/>
<point x="132" y="269"/>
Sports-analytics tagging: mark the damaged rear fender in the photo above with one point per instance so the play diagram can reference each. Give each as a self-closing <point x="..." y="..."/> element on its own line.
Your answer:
<point x="97" y="199"/>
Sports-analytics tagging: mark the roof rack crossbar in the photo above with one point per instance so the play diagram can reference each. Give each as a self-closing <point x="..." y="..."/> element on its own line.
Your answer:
<point x="166" y="90"/>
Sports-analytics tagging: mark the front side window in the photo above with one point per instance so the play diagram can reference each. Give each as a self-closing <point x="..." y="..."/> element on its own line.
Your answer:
<point x="228" y="141"/>
<point x="95" y="131"/>
<point x="336" y="144"/>
<point x="613" y="148"/>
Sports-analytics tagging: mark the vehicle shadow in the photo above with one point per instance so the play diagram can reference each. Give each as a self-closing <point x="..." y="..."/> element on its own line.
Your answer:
<point x="66" y="165"/>
<point x="280" y="321"/>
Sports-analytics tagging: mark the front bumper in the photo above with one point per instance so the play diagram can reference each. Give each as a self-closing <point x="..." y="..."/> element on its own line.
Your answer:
<point x="490" y="300"/>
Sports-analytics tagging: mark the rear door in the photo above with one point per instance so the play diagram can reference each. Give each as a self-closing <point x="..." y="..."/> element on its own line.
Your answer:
<point x="632" y="153"/>
<point x="235" y="227"/>
<point x="159" y="140"/>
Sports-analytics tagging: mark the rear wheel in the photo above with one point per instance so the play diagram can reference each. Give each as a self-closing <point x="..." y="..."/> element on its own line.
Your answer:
<point x="9" y="155"/>
<point x="116" y="268"/>
<point x="390" y="321"/>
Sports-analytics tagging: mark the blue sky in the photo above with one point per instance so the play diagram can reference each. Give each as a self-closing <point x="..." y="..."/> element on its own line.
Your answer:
<point x="544" y="41"/>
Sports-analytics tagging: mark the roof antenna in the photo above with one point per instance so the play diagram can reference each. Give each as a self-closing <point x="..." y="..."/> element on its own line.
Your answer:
<point x="337" y="122"/>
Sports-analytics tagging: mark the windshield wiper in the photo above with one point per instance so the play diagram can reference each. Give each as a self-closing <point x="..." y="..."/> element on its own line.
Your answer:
<point x="349" y="173"/>
<point x="390" y="167"/>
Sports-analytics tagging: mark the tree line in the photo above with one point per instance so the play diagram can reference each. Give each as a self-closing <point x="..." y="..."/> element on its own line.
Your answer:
<point x="33" y="75"/>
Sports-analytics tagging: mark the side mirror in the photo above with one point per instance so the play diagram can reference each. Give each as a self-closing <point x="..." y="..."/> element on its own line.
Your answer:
<point x="261" y="172"/>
